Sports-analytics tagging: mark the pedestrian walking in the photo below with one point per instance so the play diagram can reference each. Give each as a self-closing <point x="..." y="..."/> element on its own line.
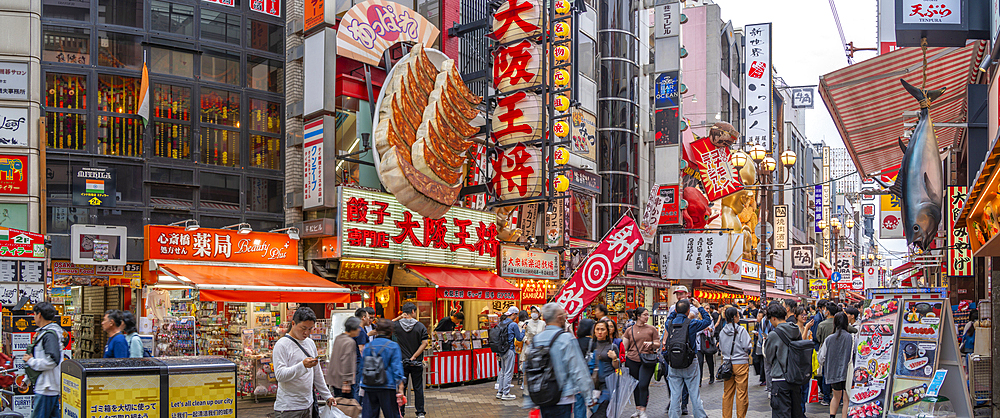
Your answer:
<point x="135" y="348"/>
<point x="563" y="359"/>
<point x="341" y="370"/>
<point x="412" y="337"/>
<point x="681" y="343"/>
<point x="735" y="345"/>
<point x="606" y="361"/>
<point x="823" y="330"/>
<point x="804" y="321"/>
<point x="600" y="313"/>
<point x="382" y="374"/>
<point x="508" y="331"/>
<point x="113" y="325"/>
<point x="641" y="341"/>
<point x="584" y="339"/>
<point x="707" y="347"/>
<point x="297" y="369"/>
<point x="968" y="337"/>
<point x="835" y="358"/>
<point x="532" y="327"/>
<point x="43" y="356"/>
<point x="786" y="398"/>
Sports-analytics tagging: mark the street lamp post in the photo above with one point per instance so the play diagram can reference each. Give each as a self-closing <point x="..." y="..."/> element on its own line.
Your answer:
<point x="766" y="165"/>
<point x="834" y="230"/>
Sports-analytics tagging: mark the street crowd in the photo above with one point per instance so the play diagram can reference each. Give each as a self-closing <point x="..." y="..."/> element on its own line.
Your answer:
<point x="576" y="370"/>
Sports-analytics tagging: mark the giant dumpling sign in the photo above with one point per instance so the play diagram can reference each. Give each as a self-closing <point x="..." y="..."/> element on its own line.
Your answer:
<point x="426" y="117"/>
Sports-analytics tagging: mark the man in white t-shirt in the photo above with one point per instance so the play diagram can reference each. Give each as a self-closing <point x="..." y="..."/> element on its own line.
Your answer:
<point x="297" y="369"/>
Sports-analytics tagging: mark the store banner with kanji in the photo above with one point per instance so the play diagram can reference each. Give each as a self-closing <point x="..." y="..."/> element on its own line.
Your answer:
<point x="176" y="243"/>
<point x="959" y="247"/>
<point x="709" y="256"/>
<point x="603" y="264"/>
<point x="717" y="174"/>
<point x="15" y="243"/>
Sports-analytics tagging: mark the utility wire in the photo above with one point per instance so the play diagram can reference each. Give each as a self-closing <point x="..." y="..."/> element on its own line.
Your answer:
<point x="840" y="29"/>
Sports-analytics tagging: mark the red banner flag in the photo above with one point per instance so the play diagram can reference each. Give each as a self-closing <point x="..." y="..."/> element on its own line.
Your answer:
<point x="603" y="264"/>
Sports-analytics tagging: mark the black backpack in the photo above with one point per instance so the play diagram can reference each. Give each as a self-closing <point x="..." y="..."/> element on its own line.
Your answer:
<point x="500" y="338"/>
<point x="373" y="369"/>
<point x="798" y="366"/>
<point x="540" y="376"/>
<point x="680" y="354"/>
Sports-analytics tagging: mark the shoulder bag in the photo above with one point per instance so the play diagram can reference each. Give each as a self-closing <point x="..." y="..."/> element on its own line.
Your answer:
<point x="726" y="369"/>
<point x="648" y="359"/>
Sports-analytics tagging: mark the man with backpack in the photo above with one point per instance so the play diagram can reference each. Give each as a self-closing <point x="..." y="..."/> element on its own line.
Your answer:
<point x="502" y="343"/>
<point x="554" y="369"/>
<point x="682" y="334"/>
<point x="413" y="339"/>
<point x="43" y="358"/>
<point x="790" y="360"/>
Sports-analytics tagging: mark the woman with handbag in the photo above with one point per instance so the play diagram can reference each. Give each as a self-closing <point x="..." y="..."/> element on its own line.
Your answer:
<point x="735" y="345"/>
<point x="641" y="342"/>
<point x="605" y="359"/>
<point x="707" y="348"/>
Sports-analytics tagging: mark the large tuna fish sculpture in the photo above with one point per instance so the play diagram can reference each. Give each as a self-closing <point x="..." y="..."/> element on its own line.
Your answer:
<point x="920" y="183"/>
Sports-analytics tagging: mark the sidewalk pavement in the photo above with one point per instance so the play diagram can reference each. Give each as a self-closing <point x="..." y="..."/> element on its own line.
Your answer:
<point x="478" y="400"/>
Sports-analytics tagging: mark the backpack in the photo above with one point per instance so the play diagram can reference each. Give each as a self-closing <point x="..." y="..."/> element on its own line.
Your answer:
<point x="500" y="338"/>
<point x="680" y="354"/>
<point x="708" y="345"/>
<point x="32" y="373"/>
<point x="373" y="369"/>
<point x="798" y="365"/>
<point x="145" y="351"/>
<point x="540" y="376"/>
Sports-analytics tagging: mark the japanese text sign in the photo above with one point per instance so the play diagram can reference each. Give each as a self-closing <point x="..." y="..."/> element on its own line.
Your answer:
<point x="268" y="7"/>
<point x="528" y="264"/>
<point x="651" y="214"/>
<point x="757" y="79"/>
<point x="354" y="271"/>
<point x="780" y="227"/>
<point x="174" y="243"/>
<point x="701" y="256"/>
<point x="314" y="165"/>
<point x="947" y="12"/>
<point x="13" y="125"/>
<point x="476" y="294"/>
<point x="671" y="214"/>
<point x="516" y="19"/>
<point x="13" y="81"/>
<point x="371" y="27"/>
<point x="717" y="174"/>
<point x="314" y="13"/>
<point x="959" y="247"/>
<point x="15" y="243"/>
<point x="891" y="214"/>
<point x="95" y="186"/>
<point x="802" y="98"/>
<point x="13" y="174"/>
<point x="603" y="264"/>
<point x="230" y="3"/>
<point x="803" y="257"/>
<point x="845" y="264"/>
<point x="376" y="225"/>
<point x="818" y="200"/>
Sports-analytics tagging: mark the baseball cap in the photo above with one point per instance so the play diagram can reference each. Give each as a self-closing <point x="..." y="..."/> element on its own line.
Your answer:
<point x="681" y="288"/>
<point x="512" y="310"/>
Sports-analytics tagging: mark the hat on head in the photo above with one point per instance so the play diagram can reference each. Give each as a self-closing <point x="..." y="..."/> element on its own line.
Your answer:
<point x="512" y="310"/>
<point x="681" y="288"/>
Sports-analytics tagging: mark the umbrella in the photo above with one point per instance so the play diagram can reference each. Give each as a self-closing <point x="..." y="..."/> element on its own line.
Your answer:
<point x="621" y="386"/>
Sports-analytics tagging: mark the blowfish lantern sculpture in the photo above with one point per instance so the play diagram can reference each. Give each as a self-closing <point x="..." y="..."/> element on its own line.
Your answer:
<point x="920" y="182"/>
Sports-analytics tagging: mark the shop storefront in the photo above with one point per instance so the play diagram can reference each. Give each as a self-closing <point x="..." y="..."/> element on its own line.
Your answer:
<point x="229" y="293"/>
<point x="535" y="272"/>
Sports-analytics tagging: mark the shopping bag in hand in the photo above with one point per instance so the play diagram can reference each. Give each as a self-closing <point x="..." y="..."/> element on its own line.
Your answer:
<point x="331" y="412"/>
<point x="349" y="407"/>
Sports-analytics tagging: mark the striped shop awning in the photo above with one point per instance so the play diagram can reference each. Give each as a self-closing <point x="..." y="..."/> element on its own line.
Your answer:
<point x="867" y="101"/>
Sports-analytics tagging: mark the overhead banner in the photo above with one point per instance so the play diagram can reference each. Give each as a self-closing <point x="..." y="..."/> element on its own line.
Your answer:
<point x="871" y="277"/>
<point x="780" y="227"/>
<point x="959" y="248"/>
<point x="651" y="215"/>
<point x="818" y="199"/>
<point x="717" y="174"/>
<point x="757" y="82"/>
<point x="371" y="27"/>
<point x="603" y="264"/>
<point x="671" y="213"/>
<point x="711" y="256"/>
<point x="890" y="216"/>
<point x="802" y="98"/>
<point x="803" y="257"/>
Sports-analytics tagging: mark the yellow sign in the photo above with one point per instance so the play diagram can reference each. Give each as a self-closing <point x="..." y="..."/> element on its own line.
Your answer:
<point x="70" y="396"/>
<point x="111" y="396"/>
<point x="817" y="285"/>
<point x="66" y="321"/>
<point x="94" y="201"/>
<point x="204" y="394"/>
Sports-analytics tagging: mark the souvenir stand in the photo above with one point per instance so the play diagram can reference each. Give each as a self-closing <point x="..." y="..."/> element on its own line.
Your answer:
<point x="461" y="356"/>
<point x="905" y="337"/>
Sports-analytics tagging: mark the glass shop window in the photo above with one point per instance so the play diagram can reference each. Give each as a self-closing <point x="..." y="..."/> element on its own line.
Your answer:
<point x="221" y="189"/>
<point x="220" y="146"/>
<point x="120" y="12"/>
<point x="220" y="107"/>
<point x="66" y="45"/>
<point x="265" y="195"/>
<point x="120" y="135"/>
<point x="71" y="10"/>
<point x="119" y="50"/>
<point x="170" y="139"/>
<point x="266" y="37"/>
<point x="66" y="130"/>
<point x="168" y="61"/>
<point x="220" y="67"/>
<point x="171" y="18"/>
<point x="65" y="91"/>
<point x="265" y="74"/>
<point x="220" y="26"/>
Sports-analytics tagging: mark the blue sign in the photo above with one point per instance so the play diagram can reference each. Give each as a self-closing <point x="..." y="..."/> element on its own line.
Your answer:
<point x="818" y="194"/>
<point x="936" y="382"/>
<point x="835" y="277"/>
<point x="665" y="90"/>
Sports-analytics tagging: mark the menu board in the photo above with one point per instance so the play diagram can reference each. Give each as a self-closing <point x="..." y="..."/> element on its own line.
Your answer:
<point x="614" y="298"/>
<point x="873" y="359"/>
<point x="917" y="356"/>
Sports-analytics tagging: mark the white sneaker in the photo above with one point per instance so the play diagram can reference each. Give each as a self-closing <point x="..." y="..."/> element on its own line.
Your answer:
<point x="635" y="415"/>
<point x="642" y="414"/>
<point x="508" y="397"/>
<point x="496" y="386"/>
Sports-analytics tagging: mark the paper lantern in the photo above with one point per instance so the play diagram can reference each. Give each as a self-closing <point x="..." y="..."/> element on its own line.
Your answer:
<point x="517" y="118"/>
<point x="561" y="183"/>
<point x="561" y="77"/>
<point x="561" y="53"/>
<point x="561" y="103"/>
<point x="562" y="7"/>
<point x="526" y="18"/>
<point x="517" y="173"/>
<point x="518" y="66"/>
<point x="562" y="30"/>
<point x="561" y="128"/>
<point x="561" y="155"/>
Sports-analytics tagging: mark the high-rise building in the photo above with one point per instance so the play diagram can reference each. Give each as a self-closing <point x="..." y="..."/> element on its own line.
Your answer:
<point x="843" y="170"/>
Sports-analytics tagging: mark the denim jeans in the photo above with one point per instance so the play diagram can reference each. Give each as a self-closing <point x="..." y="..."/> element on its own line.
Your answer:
<point x="44" y="406"/>
<point x="557" y="411"/>
<point x="678" y="378"/>
<point x="506" y="372"/>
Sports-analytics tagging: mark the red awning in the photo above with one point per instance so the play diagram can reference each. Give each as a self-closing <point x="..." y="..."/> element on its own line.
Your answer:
<point x="854" y="295"/>
<point x="452" y="283"/>
<point x="753" y="289"/>
<point x="253" y="284"/>
<point x="867" y="101"/>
